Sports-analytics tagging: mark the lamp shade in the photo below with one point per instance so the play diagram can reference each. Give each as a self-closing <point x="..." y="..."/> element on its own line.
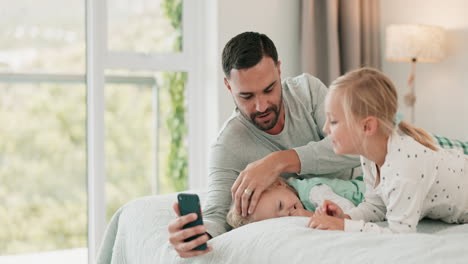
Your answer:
<point x="421" y="42"/>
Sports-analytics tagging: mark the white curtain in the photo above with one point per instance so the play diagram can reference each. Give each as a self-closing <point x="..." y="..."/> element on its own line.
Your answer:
<point x="339" y="36"/>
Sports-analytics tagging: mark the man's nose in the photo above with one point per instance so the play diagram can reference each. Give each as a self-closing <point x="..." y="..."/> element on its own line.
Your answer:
<point x="261" y="104"/>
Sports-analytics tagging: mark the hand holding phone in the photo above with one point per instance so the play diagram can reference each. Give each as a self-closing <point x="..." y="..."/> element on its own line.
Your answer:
<point x="190" y="203"/>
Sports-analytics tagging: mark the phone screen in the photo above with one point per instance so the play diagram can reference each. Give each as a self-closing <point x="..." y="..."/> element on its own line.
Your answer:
<point x="190" y="203"/>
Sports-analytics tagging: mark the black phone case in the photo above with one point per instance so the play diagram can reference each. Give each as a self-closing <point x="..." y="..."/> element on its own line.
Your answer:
<point x="190" y="203"/>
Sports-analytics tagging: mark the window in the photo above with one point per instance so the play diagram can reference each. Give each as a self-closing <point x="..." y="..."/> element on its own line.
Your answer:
<point x="144" y="26"/>
<point x="42" y="167"/>
<point x="146" y="135"/>
<point x="43" y="197"/>
<point x="96" y="110"/>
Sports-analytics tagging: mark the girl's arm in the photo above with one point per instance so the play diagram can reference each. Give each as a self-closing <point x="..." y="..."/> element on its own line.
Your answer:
<point x="405" y="180"/>
<point x="372" y="208"/>
<point x="405" y="196"/>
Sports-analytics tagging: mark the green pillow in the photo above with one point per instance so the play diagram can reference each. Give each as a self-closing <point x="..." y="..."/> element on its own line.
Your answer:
<point x="452" y="144"/>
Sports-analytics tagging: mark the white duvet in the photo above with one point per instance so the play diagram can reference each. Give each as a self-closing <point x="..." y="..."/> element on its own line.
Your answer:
<point x="138" y="234"/>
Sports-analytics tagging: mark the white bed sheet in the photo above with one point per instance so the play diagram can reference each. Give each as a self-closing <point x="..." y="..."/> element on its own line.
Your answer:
<point x="138" y="234"/>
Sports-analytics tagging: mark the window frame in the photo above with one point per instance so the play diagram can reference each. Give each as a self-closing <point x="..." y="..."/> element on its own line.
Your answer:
<point x="99" y="59"/>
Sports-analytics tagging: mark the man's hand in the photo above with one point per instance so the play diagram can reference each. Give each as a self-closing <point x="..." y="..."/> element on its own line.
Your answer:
<point x="252" y="181"/>
<point x="259" y="175"/>
<point x="326" y="222"/>
<point x="177" y="235"/>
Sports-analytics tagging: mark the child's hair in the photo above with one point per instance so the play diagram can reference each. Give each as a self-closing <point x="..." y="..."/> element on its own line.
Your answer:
<point x="235" y="220"/>
<point x="368" y="92"/>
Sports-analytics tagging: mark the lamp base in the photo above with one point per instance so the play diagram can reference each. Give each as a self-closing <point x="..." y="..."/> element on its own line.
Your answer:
<point x="410" y="98"/>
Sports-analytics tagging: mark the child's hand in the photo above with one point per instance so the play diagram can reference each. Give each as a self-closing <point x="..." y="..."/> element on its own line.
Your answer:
<point x="326" y="222"/>
<point x="330" y="208"/>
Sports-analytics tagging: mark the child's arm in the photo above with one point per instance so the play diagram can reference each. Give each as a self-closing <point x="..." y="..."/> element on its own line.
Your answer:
<point x="405" y="196"/>
<point x="318" y="194"/>
<point x="404" y="184"/>
<point x="372" y="208"/>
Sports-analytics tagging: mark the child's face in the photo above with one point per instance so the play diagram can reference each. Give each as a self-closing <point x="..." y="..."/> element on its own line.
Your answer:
<point x="345" y="139"/>
<point x="277" y="202"/>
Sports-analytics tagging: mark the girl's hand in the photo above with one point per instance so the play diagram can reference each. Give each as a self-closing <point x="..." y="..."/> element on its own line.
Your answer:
<point x="330" y="208"/>
<point x="326" y="222"/>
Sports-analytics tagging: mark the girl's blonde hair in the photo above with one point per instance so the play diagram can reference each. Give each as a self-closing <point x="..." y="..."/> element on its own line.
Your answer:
<point x="235" y="219"/>
<point x="368" y="92"/>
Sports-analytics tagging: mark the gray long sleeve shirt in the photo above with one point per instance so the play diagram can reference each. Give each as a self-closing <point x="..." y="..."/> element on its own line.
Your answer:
<point x="239" y="143"/>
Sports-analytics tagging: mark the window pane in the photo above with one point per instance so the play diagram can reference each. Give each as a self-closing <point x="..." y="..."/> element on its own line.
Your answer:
<point x="145" y="25"/>
<point x="42" y="36"/>
<point x="129" y="143"/>
<point x="43" y="204"/>
<point x="146" y="149"/>
<point x="173" y="132"/>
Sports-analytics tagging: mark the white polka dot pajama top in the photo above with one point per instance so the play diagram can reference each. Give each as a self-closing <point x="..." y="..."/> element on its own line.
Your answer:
<point x="415" y="182"/>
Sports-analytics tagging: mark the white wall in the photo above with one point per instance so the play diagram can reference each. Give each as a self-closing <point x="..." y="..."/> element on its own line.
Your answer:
<point x="441" y="88"/>
<point x="278" y="19"/>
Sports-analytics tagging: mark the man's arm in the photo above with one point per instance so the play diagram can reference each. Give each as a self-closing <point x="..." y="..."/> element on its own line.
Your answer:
<point x="218" y="201"/>
<point x="318" y="157"/>
<point x="313" y="158"/>
<point x="223" y="170"/>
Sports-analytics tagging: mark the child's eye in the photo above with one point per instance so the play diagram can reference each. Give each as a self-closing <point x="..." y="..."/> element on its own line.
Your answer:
<point x="333" y="122"/>
<point x="280" y="206"/>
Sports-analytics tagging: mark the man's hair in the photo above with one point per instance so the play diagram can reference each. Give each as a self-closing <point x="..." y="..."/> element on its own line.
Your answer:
<point x="246" y="50"/>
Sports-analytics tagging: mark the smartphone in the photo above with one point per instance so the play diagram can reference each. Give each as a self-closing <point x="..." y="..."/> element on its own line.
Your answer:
<point x="190" y="203"/>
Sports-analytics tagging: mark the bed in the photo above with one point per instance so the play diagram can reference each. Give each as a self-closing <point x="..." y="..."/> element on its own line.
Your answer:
<point x="138" y="233"/>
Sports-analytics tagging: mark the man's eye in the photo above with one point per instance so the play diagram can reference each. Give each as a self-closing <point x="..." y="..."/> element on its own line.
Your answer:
<point x="269" y="90"/>
<point x="333" y="122"/>
<point x="246" y="97"/>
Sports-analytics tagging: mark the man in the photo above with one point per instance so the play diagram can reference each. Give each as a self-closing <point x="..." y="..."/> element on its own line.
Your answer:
<point x="275" y="130"/>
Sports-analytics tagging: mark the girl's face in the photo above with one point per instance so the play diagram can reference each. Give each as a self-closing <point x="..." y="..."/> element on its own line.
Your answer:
<point x="346" y="139"/>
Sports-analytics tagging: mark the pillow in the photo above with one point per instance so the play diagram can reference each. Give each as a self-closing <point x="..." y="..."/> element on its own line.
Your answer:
<point x="289" y="240"/>
<point x="447" y="143"/>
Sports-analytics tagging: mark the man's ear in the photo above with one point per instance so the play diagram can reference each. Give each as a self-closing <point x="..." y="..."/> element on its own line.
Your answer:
<point x="226" y="83"/>
<point x="370" y="125"/>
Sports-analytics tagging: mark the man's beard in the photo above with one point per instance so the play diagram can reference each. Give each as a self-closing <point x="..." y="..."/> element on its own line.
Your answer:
<point x="275" y="110"/>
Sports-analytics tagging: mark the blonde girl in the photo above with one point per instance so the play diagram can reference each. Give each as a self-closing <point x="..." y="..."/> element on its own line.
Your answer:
<point x="407" y="177"/>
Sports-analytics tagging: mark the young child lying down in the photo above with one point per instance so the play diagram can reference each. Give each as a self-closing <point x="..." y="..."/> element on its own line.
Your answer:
<point x="300" y="197"/>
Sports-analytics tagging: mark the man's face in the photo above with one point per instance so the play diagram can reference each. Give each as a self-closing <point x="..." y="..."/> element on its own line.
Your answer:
<point x="257" y="94"/>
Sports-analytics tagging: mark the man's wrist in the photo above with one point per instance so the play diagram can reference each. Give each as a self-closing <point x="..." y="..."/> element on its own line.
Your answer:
<point x="286" y="161"/>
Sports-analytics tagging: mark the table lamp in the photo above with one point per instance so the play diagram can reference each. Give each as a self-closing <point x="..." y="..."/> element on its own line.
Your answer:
<point x="414" y="43"/>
